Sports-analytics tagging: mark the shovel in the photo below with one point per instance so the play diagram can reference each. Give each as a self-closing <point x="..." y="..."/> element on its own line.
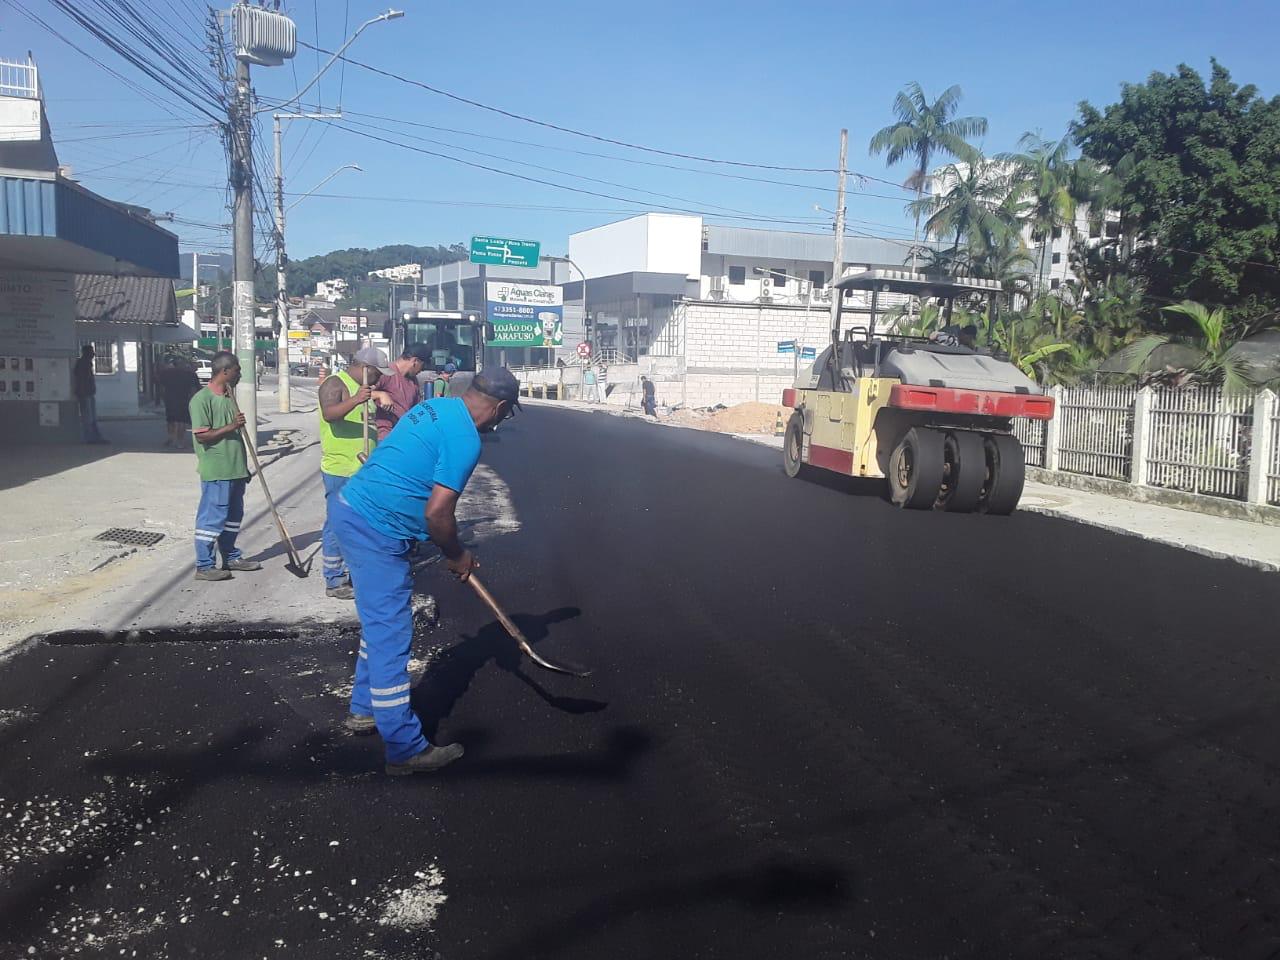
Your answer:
<point x="294" y="565"/>
<point x="519" y="637"/>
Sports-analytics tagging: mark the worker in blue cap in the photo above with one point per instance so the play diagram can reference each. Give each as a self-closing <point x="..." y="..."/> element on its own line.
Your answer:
<point x="441" y="387"/>
<point x="408" y="492"/>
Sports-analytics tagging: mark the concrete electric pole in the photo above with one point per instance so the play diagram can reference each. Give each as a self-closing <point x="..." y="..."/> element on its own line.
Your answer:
<point x="837" y="261"/>
<point x="268" y="39"/>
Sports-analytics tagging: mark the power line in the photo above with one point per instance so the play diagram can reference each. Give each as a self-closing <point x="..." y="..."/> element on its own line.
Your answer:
<point x="566" y="173"/>
<point x="570" y="130"/>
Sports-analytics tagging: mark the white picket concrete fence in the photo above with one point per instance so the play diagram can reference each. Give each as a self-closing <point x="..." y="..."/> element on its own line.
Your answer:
<point x="1197" y="440"/>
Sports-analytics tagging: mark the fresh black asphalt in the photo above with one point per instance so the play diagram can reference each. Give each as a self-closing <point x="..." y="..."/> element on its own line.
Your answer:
<point x="817" y="727"/>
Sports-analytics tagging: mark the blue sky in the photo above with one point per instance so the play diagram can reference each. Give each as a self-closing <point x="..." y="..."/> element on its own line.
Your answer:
<point x="754" y="82"/>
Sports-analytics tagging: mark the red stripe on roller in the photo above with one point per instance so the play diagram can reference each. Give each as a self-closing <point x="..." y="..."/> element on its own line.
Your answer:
<point x="982" y="403"/>
<point x="829" y="458"/>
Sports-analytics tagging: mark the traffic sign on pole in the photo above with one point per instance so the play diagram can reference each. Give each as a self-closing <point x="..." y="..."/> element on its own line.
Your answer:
<point x="584" y="350"/>
<point x="505" y="253"/>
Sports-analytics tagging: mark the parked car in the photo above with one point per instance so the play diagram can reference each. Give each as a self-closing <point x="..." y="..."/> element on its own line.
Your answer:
<point x="204" y="370"/>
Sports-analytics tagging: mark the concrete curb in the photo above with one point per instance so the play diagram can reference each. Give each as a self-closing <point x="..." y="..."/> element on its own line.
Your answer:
<point x="1193" y="502"/>
<point x="1059" y="514"/>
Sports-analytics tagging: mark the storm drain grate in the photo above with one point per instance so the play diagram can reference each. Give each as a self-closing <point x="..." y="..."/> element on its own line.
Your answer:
<point x="138" y="538"/>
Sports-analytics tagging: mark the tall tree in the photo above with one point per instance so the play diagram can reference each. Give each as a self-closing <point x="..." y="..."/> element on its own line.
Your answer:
<point x="1045" y="179"/>
<point x="1199" y="171"/>
<point x="970" y="207"/>
<point x="923" y="132"/>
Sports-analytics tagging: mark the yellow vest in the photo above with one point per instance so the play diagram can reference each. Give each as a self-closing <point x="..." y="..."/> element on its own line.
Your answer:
<point x="342" y="441"/>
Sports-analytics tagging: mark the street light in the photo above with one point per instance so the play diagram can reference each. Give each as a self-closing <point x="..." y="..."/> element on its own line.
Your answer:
<point x="282" y="297"/>
<point x="346" y="166"/>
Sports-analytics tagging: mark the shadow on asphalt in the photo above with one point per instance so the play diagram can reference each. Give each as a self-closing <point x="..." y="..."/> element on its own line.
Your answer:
<point x="300" y="541"/>
<point x="451" y="675"/>
<point x="871" y="487"/>
<point x="774" y="886"/>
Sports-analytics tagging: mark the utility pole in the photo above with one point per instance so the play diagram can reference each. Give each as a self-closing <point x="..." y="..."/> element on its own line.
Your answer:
<point x="837" y="262"/>
<point x="242" y="242"/>
<point x="282" y="296"/>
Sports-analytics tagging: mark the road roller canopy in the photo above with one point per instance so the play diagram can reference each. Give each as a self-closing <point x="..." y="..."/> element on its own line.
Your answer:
<point x="916" y="284"/>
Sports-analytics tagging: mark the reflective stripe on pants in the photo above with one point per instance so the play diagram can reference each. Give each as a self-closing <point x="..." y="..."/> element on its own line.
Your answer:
<point x="218" y="520"/>
<point x="379" y="568"/>
<point x="331" y="562"/>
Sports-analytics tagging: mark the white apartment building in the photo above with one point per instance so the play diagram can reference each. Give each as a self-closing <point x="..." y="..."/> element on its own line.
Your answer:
<point x="405" y="273"/>
<point x="331" y="290"/>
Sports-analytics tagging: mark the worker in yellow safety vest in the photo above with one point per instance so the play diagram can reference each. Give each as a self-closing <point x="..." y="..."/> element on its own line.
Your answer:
<point x="345" y="441"/>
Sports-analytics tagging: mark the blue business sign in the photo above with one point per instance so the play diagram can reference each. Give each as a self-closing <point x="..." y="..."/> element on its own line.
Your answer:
<point x="809" y="353"/>
<point x="786" y="346"/>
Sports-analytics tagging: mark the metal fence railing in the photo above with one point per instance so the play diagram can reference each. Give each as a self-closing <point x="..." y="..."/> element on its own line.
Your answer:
<point x="18" y="80"/>
<point x="1200" y="441"/>
<point x="1031" y="434"/>
<point x="1095" y="431"/>
<point x="1273" y="467"/>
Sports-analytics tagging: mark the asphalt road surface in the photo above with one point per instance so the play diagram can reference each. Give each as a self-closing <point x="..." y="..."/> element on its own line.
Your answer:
<point x="817" y="727"/>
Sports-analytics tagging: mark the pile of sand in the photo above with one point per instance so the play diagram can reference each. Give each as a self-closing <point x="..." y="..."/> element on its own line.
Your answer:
<point x="740" y="418"/>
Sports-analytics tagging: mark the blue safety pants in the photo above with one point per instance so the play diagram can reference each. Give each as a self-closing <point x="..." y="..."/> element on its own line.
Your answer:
<point x="218" y="520"/>
<point x="379" y="567"/>
<point x="331" y="562"/>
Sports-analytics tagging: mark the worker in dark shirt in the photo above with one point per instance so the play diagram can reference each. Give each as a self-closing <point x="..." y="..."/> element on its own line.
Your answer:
<point x="86" y="390"/>
<point x="399" y="392"/>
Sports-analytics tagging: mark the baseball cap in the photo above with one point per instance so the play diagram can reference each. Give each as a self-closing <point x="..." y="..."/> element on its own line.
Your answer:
<point x="374" y="358"/>
<point x="450" y="368"/>
<point x="499" y="383"/>
<point x="420" y="352"/>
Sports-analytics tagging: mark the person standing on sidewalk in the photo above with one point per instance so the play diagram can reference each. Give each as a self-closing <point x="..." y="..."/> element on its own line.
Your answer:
<point x="399" y="392"/>
<point x="602" y="383"/>
<point x="408" y="492"/>
<point x="223" y="466"/>
<point x="649" y="398"/>
<point x="178" y="384"/>
<point x="86" y="389"/>
<point x="589" y="385"/>
<point x="344" y="404"/>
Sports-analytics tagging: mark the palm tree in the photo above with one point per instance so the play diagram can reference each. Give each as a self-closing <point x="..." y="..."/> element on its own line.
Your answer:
<point x="972" y="207"/>
<point x="1046" y="182"/>
<point x="1205" y="355"/>
<point x="923" y="131"/>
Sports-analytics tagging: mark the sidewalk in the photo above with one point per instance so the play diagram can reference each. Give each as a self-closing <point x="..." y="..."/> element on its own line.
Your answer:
<point x="55" y="500"/>
<point x="1255" y="545"/>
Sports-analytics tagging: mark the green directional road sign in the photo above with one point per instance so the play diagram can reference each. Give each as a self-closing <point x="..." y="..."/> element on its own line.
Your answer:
<point x="505" y="253"/>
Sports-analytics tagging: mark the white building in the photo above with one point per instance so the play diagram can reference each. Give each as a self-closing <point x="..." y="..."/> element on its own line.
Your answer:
<point x="701" y="308"/>
<point x="331" y="290"/>
<point x="405" y="273"/>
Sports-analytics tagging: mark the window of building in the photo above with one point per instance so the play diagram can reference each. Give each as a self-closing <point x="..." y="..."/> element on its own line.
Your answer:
<point x="1057" y="258"/>
<point x="104" y="357"/>
<point x="1113" y="229"/>
<point x="779" y="277"/>
<point x="1095" y="231"/>
<point x="818" y="278"/>
<point x="1055" y="283"/>
<point x="1057" y="233"/>
<point x="737" y="276"/>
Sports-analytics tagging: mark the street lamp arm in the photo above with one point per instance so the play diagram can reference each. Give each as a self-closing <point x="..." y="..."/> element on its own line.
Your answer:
<point x="345" y="166"/>
<point x="389" y="15"/>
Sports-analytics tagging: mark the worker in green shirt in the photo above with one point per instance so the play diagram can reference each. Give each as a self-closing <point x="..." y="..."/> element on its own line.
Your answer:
<point x="223" y="469"/>
<point x="344" y="409"/>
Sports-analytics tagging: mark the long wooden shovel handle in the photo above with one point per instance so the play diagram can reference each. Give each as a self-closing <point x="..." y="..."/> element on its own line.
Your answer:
<point x="251" y="446"/>
<point x="364" y="410"/>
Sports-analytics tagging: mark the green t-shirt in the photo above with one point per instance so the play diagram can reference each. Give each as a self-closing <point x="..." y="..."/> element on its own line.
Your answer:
<point x="226" y="459"/>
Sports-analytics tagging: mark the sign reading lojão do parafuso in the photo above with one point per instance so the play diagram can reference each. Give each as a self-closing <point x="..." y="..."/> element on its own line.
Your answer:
<point x="524" y="314"/>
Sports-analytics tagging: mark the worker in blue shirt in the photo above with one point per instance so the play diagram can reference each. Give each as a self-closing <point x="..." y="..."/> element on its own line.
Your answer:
<point x="408" y="491"/>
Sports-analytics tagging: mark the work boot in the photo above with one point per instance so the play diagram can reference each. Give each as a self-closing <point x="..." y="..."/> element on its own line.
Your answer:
<point x="343" y="592"/>
<point x="212" y="573"/>
<point x="243" y="566"/>
<point x="428" y="761"/>
<point x="359" y="724"/>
